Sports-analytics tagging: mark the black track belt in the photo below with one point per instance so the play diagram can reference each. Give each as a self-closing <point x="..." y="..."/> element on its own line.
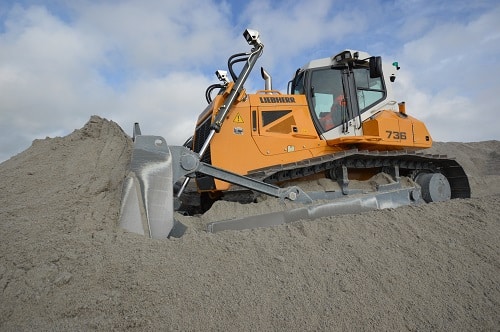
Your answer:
<point x="408" y="161"/>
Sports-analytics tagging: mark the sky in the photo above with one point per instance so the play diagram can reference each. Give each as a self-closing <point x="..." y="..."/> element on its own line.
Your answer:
<point x="150" y="61"/>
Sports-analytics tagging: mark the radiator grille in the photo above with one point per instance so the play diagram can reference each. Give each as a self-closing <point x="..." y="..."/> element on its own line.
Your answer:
<point x="200" y="137"/>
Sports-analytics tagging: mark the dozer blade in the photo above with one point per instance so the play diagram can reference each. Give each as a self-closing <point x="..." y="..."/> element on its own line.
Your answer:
<point x="147" y="197"/>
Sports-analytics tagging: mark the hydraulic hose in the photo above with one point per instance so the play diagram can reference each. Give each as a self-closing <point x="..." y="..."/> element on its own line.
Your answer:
<point x="208" y="92"/>
<point x="230" y="63"/>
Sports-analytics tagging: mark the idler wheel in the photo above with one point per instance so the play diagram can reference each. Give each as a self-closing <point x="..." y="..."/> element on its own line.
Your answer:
<point x="434" y="186"/>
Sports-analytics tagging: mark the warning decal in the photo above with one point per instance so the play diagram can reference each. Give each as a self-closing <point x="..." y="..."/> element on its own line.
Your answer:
<point x="238" y="118"/>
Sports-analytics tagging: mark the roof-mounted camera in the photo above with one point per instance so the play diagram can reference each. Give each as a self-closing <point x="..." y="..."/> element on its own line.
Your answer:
<point x="222" y="76"/>
<point x="252" y="37"/>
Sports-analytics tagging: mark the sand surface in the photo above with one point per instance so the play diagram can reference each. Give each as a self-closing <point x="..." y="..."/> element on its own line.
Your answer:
<point x="65" y="266"/>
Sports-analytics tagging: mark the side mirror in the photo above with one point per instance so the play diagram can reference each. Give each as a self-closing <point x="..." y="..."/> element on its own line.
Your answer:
<point x="375" y="67"/>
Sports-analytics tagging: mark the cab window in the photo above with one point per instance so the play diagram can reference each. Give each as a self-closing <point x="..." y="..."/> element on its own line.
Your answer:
<point x="369" y="90"/>
<point x="328" y="97"/>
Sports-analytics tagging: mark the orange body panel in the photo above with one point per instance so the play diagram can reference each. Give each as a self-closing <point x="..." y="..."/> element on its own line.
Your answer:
<point x="395" y="131"/>
<point x="271" y="129"/>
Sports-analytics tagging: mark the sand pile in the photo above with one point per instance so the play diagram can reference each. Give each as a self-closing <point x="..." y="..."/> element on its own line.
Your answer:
<point x="64" y="265"/>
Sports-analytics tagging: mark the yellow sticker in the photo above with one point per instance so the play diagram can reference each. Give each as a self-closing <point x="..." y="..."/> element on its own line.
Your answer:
<point x="238" y="118"/>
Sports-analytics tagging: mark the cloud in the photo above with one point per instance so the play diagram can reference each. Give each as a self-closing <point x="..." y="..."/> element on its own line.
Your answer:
<point x="157" y="35"/>
<point x="44" y="71"/>
<point x="451" y="75"/>
<point x="145" y="64"/>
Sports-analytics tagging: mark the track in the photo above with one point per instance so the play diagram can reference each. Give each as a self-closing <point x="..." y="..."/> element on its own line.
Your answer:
<point x="409" y="162"/>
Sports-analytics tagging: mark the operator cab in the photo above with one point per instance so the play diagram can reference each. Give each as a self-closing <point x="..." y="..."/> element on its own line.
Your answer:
<point x="340" y="90"/>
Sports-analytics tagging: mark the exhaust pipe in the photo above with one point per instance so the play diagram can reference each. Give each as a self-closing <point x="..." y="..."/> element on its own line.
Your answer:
<point x="267" y="78"/>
